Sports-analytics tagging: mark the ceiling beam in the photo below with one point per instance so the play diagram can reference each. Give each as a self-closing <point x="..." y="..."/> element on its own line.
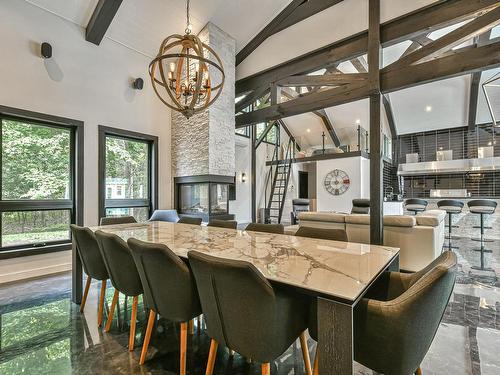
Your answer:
<point x="464" y="62"/>
<point x="390" y="115"/>
<point x="360" y="64"/>
<point x="321" y="113"/>
<point x="403" y="28"/>
<point x="475" y="82"/>
<point x="321" y="80"/>
<point x="250" y="98"/>
<point x="294" y="12"/>
<point x="104" y="13"/>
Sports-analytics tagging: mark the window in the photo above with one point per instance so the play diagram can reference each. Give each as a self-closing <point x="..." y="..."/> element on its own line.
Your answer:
<point x="127" y="170"/>
<point x="271" y="136"/>
<point x="38" y="181"/>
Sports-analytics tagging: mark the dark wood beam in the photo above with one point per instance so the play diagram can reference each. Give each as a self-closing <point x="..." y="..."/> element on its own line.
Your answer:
<point x="294" y="12"/>
<point x="403" y="28"/>
<point x="416" y="44"/>
<point x="250" y="98"/>
<point x="322" y="80"/>
<point x="253" y="179"/>
<point x="104" y="13"/>
<point x="390" y="115"/>
<point x="360" y="64"/>
<point x="459" y="63"/>
<point x="376" y="163"/>
<point x="471" y="29"/>
<point x="321" y="113"/>
<point x="474" y="84"/>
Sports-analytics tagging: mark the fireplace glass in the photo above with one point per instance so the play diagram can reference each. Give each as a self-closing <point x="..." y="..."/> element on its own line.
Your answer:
<point x="193" y="199"/>
<point x="218" y="199"/>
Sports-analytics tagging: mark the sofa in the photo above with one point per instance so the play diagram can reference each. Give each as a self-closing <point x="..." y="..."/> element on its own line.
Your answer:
<point x="420" y="238"/>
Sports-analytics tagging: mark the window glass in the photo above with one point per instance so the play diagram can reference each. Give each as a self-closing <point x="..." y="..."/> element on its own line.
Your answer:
<point x="127" y="168"/>
<point x="139" y="213"/>
<point x="35" y="227"/>
<point x="35" y="161"/>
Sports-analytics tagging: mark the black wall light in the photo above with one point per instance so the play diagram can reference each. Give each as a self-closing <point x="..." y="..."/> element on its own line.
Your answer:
<point x="46" y="50"/>
<point x="138" y="84"/>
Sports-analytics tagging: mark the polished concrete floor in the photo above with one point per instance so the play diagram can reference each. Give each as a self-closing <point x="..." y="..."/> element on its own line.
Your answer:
<point x="42" y="332"/>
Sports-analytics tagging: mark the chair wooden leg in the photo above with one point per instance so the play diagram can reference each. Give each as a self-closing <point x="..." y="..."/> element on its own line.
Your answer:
<point x="112" y="311"/>
<point x="305" y="353"/>
<point x="183" y="340"/>
<point x="211" y="357"/>
<point x="316" y="364"/>
<point x="191" y="327"/>
<point x="266" y="369"/>
<point x="101" y="303"/>
<point x="147" y="336"/>
<point x="419" y="371"/>
<point x="85" y="293"/>
<point x="133" y="319"/>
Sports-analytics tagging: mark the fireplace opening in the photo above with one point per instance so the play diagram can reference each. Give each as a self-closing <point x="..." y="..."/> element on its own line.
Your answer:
<point x="204" y="196"/>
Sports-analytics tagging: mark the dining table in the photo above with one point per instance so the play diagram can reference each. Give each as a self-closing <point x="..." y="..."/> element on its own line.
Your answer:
<point x="337" y="274"/>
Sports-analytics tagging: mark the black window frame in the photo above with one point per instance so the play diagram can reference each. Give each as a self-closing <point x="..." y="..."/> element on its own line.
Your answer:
<point x="152" y="141"/>
<point x="74" y="205"/>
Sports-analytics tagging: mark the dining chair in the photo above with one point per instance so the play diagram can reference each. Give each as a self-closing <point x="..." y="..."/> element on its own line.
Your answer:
<point x="190" y="220"/>
<point x="245" y="313"/>
<point x="322" y="233"/>
<point x="93" y="264"/>
<point x="169" y="290"/>
<point x="395" y="324"/>
<point x="169" y="216"/>
<point x="123" y="275"/>
<point x="268" y="228"/>
<point x="230" y="224"/>
<point x="114" y="220"/>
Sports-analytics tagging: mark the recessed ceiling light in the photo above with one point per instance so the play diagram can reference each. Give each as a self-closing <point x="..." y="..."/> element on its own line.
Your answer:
<point x="358" y="121"/>
<point x="428" y="108"/>
<point x="308" y="130"/>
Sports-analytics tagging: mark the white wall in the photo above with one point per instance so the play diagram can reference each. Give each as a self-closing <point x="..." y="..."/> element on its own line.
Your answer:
<point x="358" y="170"/>
<point x="242" y="206"/>
<point x="82" y="81"/>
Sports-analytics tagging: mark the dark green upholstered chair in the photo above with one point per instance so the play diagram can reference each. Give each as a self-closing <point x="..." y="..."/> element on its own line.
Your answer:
<point x="114" y="220"/>
<point x="322" y="233"/>
<point x="93" y="264"/>
<point x="267" y="228"/>
<point x="245" y="313"/>
<point x="395" y="324"/>
<point x="169" y="216"/>
<point x="190" y="220"/>
<point x="169" y="290"/>
<point x="360" y="206"/>
<point x="123" y="275"/>
<point x="229" y="224"/>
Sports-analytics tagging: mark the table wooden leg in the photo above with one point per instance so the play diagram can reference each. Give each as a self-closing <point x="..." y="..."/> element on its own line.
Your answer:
<point x="335" y="342"/>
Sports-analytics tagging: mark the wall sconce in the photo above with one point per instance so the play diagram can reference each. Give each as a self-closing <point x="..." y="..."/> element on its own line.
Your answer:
<point x="243" y="177"/>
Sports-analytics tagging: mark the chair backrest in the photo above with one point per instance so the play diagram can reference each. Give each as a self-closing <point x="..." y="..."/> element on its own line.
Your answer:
<point x="482" y="203"/>
<point x="403" y="329"/>
<point x="416" y="202"/>
<point x="322" y="233"/>
<point x="170" y="216"/>
<point x="169" y="286"/>
<point x="450" y="203"/>
<point x="300" y="204"/>
<point x="360" y="206"/>
<point x="119" y="263"/>
<point x="268" y="228"/>
<point x="190" y="220"/>
<point x="88" y="249"/>
<point x="238" y="303"/>
<point x="230" y="224"/>
<point x="114" y="220"/>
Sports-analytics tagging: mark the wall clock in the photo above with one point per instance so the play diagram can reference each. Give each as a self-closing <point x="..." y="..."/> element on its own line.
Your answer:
<point x="337" y="182"/>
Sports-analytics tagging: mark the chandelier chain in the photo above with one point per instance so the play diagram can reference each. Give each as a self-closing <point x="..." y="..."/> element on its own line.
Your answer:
<point x="188" y="23"/>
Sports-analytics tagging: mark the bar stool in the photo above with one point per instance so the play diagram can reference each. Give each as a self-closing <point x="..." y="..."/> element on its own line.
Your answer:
<point x="482" y="207"/>
<point x="451" y="207"/>
<point x="415" y="205"/>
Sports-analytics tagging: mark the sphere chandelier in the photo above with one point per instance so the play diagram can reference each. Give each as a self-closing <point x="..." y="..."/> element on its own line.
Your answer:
<point x="186" y="71"/>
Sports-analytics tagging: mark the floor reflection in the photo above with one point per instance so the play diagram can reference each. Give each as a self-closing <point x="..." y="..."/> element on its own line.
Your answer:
<point x="41" y="332"/>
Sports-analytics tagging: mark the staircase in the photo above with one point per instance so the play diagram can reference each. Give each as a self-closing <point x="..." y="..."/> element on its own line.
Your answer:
<point x="279" y="185"/>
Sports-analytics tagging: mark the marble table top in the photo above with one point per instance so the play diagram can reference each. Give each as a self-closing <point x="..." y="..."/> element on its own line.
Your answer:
<point x="339" y="270"/>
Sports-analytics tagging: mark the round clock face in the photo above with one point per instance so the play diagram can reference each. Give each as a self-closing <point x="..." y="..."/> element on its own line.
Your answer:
<point x="337" y="182"/>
